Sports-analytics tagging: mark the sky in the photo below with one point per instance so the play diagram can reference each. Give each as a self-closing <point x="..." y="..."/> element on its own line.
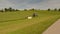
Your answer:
<point x="28" y="4"/>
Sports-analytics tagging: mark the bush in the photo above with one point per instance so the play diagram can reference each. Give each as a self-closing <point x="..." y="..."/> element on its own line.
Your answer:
<point x="59" y="9"/>
<point x="55" y="9"/>
<point x="49" y="9"/>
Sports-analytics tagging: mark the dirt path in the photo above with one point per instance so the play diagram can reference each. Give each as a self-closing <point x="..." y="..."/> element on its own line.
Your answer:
<point x="54" y="29"/>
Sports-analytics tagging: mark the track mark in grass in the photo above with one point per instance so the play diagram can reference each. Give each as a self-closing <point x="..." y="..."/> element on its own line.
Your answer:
<point x="12" y="20"/>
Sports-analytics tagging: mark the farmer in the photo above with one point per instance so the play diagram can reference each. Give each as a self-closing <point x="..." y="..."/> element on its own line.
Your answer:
<point x="34" y="15"/>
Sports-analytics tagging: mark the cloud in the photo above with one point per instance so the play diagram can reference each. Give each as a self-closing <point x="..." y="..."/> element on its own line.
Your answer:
<point x="45" y="4"/>
<point x="51" y="4"/>
<point x="5" y="4"/>
<point x="37" y="4"/>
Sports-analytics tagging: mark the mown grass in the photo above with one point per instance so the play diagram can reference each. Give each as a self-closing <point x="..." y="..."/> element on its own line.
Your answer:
<point x="15" y="22"/>
<point x="37" y="28"/>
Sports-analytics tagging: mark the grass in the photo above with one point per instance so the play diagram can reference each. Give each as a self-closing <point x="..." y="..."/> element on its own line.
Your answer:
<point x="15" y="22"/>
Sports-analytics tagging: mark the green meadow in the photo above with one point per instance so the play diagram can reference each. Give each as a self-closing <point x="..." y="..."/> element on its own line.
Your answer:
<point x="16" y="23"/>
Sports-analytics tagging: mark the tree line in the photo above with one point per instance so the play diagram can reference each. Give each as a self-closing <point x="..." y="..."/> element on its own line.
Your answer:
<point x="10" y="9"/>
<point x="54" y="9"/>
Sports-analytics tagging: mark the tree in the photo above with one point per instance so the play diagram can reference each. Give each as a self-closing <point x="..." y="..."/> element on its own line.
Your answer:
<point x="17" y="10"/>
<point x="25" y="9"/>
<point x="33" y="9"/>
<point x="59" y="9"/>
<point x="10" y="8"/>
<point x="55" y="9"/>
<point x="5" y="9"/>
<point x="48" y="9"/>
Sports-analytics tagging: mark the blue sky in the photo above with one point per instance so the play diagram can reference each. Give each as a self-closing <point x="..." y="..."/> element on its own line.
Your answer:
<point x="27" y="4"/>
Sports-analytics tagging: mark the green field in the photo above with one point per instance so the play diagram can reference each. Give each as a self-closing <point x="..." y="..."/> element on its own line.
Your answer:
<point x="16" y="23"/>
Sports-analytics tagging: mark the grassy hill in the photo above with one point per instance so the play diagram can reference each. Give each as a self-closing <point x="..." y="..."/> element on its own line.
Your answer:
<point x="16" y="23"/>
